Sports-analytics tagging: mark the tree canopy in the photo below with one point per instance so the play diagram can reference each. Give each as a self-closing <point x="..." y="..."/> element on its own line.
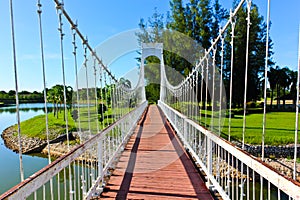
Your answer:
<point x="55" y="95"/>
<point x="201" y="21"/>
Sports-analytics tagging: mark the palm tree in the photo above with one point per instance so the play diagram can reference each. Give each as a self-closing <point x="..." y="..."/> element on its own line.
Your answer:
<point x="59" y="93"/>
<point x="284" y="82"/>
<point x="55" y="95"/>
<point x="293" y="78"/>
<point x="51" y="98"/>
<point x="272" y="77"/>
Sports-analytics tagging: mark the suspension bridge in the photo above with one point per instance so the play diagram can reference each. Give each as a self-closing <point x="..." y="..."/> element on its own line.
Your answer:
<point x="172" y="150"/>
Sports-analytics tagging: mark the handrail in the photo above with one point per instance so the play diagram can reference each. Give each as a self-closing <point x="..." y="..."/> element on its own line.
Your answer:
<point x="284" y="183"/>
<point x="35" y="181"/>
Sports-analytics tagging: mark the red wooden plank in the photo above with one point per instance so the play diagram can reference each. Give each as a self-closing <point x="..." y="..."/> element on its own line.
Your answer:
<point x="154" y="165"/>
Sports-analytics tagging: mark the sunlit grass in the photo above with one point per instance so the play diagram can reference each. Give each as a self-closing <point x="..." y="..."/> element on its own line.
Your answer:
<point x="36" y="126"/>
<point x="280" y="127"/>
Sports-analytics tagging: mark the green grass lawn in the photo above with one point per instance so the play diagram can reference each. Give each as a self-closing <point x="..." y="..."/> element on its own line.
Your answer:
<point x="110" y="116"/>
<point x="280" y="128"/>
<point x="35" y="127"/>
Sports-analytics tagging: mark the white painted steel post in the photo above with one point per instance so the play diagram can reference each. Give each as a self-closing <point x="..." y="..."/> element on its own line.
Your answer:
<point x="297" y="114"/>
<point x="232" y="21"/>
<point x="185" y="129"/>
<point x="17" y="89"/>
<point x="248" y="19"/>
<point x="209" y="160"/>
<point x="265" y="84"/>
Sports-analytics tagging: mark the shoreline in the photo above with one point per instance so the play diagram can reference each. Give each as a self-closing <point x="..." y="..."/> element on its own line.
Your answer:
<point x="11" y="141"/>
<point x="31" y="145"/>
<point x="58" y="148"/>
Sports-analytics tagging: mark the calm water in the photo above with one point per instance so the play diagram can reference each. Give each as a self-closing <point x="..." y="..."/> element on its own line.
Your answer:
<point x="9" y="161"/>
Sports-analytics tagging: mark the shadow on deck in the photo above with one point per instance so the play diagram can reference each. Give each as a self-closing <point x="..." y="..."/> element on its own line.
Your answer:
<point x="154" y="165"/>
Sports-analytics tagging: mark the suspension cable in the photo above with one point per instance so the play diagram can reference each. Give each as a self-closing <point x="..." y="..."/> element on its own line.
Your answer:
<point x="221" y="81"/>
<point x="101" y="94"/>
<point x="16" y="87"/>
<point x="234" y="13"/>
<point x="233" y="21"/>
<point x="193" y="94"/>
<point x="197" y="90"/>
<point x="111" y="96"/>
<point x="96" y="94"/>
<point x="206" y="90"/>
<point x="76" y="77"/>
<point x="93" y="53"/>
<point x="297" y="114"/>
<point x="87" y="84"/>
<point x="246" y="70"/>
<point x="60" y="29"/>
<point x="106" y="98"/>
<point x="265" y="85"/>
<point x="39" y="11"/>
<point x="213" y="87"/>
<point x="201" y="90"/>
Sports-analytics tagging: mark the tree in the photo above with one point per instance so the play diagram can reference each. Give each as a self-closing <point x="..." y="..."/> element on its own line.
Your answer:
<point x="256" y="59"/>
<point x="204" y="22"/>
<point x="51" y="97"/>
<point x="152" y="92"/>
<point x="101" y="110"/>
<point x="272" y="77"/>
<point x="284" y="82"/>
<point x="156" y="23"/>
<point x="75" y="115"/>
<point x="154" y="34"/>
<point x="178" y="22"/>
<point x="219" y="15"/>
<point x="200" y="20"/>
<point x="55" y="95"/>
<point x="293" y="79"/>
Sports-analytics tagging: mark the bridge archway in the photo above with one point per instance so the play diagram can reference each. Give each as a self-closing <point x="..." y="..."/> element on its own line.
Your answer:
<point x="152" y="49"/>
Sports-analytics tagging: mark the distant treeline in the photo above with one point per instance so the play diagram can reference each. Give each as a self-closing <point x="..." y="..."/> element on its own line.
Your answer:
<point x="24" y="97"/>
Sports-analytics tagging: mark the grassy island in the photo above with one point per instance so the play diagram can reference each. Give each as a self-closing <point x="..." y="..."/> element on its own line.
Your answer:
<point x="35" y="127"/>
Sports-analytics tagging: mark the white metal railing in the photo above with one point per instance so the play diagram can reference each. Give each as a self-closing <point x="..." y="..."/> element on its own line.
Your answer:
<point x="87" y="165"/>
<point x="105" y="114"/>
<point x="232" y="172"/>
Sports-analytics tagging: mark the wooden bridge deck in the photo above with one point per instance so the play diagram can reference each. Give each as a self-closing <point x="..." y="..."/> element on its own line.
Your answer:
<point x="154" y="165"/>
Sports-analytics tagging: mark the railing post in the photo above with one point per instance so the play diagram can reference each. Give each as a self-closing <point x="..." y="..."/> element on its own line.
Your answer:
<point x="185" y="129"/>
<point x="123" y="130"/>
<point x="209" y="160"/>
<point x="100" y="160"/>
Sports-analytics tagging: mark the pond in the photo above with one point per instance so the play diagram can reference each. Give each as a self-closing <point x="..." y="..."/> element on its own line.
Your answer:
<point x="9" y="160"/>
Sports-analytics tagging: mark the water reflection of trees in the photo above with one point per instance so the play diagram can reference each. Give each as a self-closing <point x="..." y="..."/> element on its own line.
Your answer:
<point x="13" y="110"/>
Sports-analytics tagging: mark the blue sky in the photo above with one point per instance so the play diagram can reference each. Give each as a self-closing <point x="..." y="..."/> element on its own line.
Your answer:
<point x="100" y="20"/>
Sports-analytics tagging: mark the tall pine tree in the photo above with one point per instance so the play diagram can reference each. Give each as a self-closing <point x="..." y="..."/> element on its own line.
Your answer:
<point x="257" y="46"/>
<point x="201" y="20"/>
